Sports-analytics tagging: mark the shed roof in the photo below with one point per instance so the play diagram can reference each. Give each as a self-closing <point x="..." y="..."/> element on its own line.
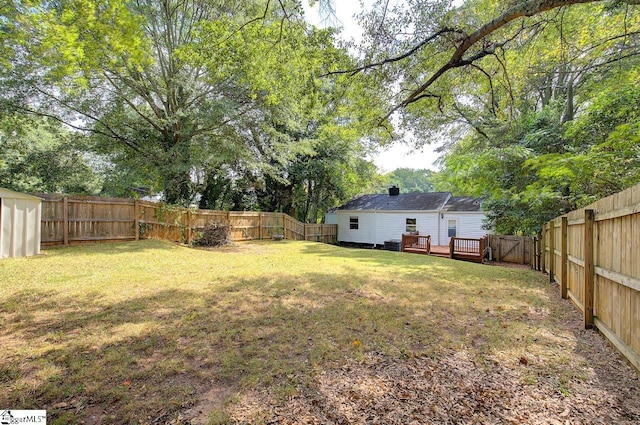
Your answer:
<point x="11" y="194"/>
<point x="431" y="201"/>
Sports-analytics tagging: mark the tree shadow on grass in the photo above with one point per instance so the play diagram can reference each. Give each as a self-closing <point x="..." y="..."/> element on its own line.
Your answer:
<point x="149" y="358"/>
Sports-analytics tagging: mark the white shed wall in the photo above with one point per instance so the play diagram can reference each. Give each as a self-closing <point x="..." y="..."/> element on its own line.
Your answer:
<point x="19" y="225"/>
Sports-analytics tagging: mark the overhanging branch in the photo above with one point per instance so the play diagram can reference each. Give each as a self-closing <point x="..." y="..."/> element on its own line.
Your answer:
<point x="458" y="58"/>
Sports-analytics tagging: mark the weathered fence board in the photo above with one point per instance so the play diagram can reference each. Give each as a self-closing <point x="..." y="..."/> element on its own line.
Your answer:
<point x="89" y="219"/>
<point x="511" y="249"/>
<point x="601" y="255"/>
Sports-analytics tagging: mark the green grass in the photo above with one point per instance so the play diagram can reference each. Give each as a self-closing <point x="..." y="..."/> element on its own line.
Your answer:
<point x="137" y="331"/>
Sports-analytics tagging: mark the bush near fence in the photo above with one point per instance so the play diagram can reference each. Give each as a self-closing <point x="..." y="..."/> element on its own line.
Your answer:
<point x="594" y="254"/>
<point x="82" y="219"/>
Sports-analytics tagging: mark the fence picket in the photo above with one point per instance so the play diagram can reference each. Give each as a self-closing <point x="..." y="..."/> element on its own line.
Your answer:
<point x="89" y="219"/>
<point x="600" y="267"/>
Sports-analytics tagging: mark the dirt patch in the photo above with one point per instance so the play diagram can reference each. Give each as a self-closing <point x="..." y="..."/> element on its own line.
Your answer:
<point x="594" y="386"/>
<point x="510" y="265"/>
<point x="453" y="388"/>
<point x="213" y="400"/>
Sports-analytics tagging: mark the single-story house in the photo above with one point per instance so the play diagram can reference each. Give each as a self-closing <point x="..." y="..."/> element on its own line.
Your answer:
<point x="374" y="219"/>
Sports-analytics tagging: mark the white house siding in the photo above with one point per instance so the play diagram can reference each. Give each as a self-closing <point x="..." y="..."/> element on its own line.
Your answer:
<point x="469" y="225"/>
<point x="366" y="227"/>
<point x="377" y="227"/>
<point x="391" y="225"/>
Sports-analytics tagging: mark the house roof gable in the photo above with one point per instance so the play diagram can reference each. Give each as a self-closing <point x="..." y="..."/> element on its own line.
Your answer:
<point x="431" y="201"/>
<point x="463" y="204"/>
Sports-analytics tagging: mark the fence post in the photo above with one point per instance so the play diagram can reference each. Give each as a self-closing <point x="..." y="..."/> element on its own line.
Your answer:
<point x="452" y="245"/>
<point x="589" y="217"/>
<point x="259" y="226"/>
<point x="532" y="253"/>
<point x="552" y="249"/>
<point x="65" y="220"/>
<point x="136" y="220"/>
<point x="563" y="257"/>
<point x="188" y="226"/>
<point x="304" y="231"/>
<point x="543" y="249"/>
<point x="499" y="249"/>
<point x="284" y="232"/>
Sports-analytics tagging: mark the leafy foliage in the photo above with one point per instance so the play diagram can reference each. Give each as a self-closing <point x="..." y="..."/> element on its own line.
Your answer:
<point x="39" y="155"/>
<point x="407" y="179"/>
<point x="545" y="124"/>
<point x="178" y="94"/>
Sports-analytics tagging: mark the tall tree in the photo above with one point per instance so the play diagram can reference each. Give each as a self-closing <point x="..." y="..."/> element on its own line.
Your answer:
<point x="170" y="86"/>
<point x="507" y="79"/>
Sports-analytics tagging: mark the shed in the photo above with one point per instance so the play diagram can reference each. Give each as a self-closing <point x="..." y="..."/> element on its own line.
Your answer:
<point x="19" y="224"/>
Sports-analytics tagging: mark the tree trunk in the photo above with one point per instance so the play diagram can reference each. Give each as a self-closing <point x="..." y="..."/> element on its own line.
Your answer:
<point x="176" y="174"/>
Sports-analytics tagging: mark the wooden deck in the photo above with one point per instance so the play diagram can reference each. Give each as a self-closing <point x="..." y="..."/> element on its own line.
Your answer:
<point x="416" y="244"/>
<point x="469" y="249"/>
<point x="440" y="251"/>
<point x="466" y="249"/>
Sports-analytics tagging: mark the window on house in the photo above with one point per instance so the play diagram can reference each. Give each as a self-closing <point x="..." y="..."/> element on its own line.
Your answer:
<point x="353" y="223"/>
<point x="453" y="224"/>
<point x="411" y="225"/>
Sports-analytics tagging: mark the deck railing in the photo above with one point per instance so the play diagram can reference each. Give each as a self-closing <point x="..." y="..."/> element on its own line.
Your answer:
<point x="416" y="243"/>
<point x="469" y="247"/>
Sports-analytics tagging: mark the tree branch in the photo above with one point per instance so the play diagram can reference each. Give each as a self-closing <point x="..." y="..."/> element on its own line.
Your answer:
<point x="405" y="55"/>
<point x="521" y="9"/>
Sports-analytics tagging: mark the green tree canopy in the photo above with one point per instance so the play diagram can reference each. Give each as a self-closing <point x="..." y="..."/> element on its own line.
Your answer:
<point x="172" y="90"/>
<point x="40" y="155"/>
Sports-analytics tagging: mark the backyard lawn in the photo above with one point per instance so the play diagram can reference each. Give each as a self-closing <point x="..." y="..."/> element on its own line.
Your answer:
<point x="295" y="332"/>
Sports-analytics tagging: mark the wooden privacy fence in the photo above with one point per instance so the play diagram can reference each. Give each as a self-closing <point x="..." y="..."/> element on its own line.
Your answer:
<point x="67" y="220"/>
<point x="512" y="249"/>
<point x="594" y="254"/>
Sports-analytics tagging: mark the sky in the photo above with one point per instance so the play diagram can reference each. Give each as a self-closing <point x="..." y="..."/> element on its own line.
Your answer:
<point x="398" y="155"/>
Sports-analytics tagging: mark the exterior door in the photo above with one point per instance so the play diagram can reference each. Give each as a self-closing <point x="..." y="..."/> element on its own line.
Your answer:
<point x="452" y="228"/>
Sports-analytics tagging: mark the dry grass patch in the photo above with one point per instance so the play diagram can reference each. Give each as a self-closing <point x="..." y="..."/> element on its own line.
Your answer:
<point x="151" y="332"/>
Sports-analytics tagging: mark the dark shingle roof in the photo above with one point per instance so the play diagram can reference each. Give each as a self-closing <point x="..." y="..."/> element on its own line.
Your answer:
<point x="432" y="201"/>
<point x="463" y="203"/>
